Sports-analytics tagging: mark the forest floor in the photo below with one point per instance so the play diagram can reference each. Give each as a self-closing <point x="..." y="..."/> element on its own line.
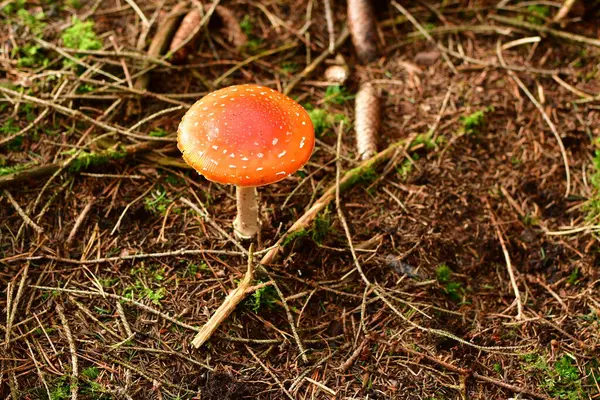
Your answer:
<point x="106" y="274"/>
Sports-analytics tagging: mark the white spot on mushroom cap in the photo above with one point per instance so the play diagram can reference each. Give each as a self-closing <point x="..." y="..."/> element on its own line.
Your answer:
<point x="275" y="141"/>
<point x="217" y="147"/>
<point x="281" y="154"/>
<point x="302" y="142"/>
<point x="281" y="173"/>
<point x="259" y="168"/>
<point x="259" y="155"/>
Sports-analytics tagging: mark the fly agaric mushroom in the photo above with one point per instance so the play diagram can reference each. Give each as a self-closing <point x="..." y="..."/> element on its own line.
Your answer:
<point x="247" y="136"/>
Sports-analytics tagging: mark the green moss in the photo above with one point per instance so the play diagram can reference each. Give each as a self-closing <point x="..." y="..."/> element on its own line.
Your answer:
<point x="321" y="227"/>
<point x="158" y="132"/>
<point x="366" y="175"/>
<point x="157" y="202"/>
<point x="14" y="169"/>
<point x="452" y="289"/>
<point x="265" y="296"/>
<point x="560" y="379"/>
<point x="90" y="159"/>
<point x="293" y="236"/>
<point x="539" y="13"/>
<point x="90" y="373"/>
<point x="337" y="94"/>
<point x="473" y="124"/>
<point x="573" y="277"/>
<point x="443" y="273"/>
<point x="247" y="25"/>
<point x="323" y="120"/>
<point x="81" y="36"/>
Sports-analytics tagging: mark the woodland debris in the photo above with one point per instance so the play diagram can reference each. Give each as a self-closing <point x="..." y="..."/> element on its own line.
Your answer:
<point x="231" y="27"/>
<point x="45" y="170"/>
<point x="564" y="10"/>
<point x="159" y="44"/>
<point x="337" y="74"/>
<point x="188" y="32"/>
<point x="361" y="19"/>
<point x="347" y="181"/>
<point x="367" y="120"/>
<point x="427" y="58"/>
<point x="229" y="304"/>
<point x="185" y="32"/>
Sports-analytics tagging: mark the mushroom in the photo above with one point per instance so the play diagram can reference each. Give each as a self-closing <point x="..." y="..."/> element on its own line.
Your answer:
<point x="247" y="136"/>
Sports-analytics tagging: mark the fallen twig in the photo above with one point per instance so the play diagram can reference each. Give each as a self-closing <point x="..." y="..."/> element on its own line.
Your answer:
<point x="21" y="212"/>
<point x="564" y="10"/>
<point x="348" y="181"/>
<point x="229" y="304"/>
<point x="72" y="349"/>
<point x="509" y="267"/>
<point x="316" y="62"/>
<point x="543" y="29"/>
<point x="45" y="170"/>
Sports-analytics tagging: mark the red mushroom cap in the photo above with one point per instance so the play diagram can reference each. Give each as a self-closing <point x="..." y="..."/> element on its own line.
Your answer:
<point x="246" y="135"/>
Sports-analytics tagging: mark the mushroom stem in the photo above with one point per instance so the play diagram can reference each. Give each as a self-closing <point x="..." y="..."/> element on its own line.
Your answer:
<point x="246" y="223"/>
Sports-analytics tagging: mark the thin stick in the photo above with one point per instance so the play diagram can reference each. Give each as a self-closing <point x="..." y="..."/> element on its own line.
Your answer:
<point x="316" y="62"/>
<point x="132" y="257"/>
<point x="426" y="34"/>
<point x="330" y="27"/>
<point x="231" y="301"/>
<point x="290" y="321"/>
<point x="564" y="10"/>
<point x="139" y="12"/>
<point x="78" y="114"/>
<point x="544" y="29"/>
<point x="22" y="213"/>
<point x="509" y="266"/>
<point x="79" y="221"/>
<point x="120" y="298"/>
<point x="537" y="105"/>
<point x="72" y="349"/>
<point x="258" y="360"/>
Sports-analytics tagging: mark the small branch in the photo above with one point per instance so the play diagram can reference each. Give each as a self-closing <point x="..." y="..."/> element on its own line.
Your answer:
<point x="543" y="29"/>
<point x="330" y="27"/>
<point x="21" y="212"/>
<point x="316" y="62"/>
<point x="72" y="349"/>
<point x="79" y="221"/>
<point x="564" y="10"/>
<point x="511" y="272"/>
<point x="49" y="169"/>
<point x="231" y="301"/>
<point x="131" y="257"/>
<point x="120" y="298"/>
